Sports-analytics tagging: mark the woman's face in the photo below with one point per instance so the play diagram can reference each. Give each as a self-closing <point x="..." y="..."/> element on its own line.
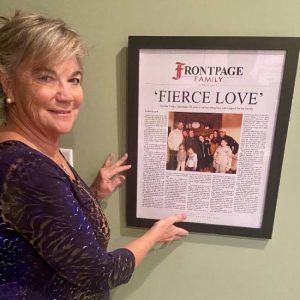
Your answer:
<point x="201" y="138"/>
<point x="47" y="99"/>
<point x="191" y="134"/>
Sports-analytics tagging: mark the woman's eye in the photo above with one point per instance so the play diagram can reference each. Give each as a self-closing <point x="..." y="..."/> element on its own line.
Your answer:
<point x="46" y="78"/>
<point x="75" y="81"/>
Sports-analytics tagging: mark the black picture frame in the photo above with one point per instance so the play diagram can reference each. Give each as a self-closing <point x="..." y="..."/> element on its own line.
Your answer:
<point x="290" y="45"/>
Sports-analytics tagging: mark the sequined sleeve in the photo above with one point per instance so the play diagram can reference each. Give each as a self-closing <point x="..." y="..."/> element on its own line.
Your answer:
<point x="40" y="204"/>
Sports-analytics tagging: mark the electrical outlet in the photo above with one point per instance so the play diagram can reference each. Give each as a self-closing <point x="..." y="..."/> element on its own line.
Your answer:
<point x="68" y="154"/>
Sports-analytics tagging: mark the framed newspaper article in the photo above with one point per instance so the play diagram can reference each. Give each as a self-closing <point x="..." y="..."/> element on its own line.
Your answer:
<point x="207" y="124"/>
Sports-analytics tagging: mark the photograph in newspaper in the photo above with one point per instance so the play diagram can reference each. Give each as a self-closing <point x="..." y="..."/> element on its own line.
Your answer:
<point x="206" y="127"/>
<point x="200" y="142"/>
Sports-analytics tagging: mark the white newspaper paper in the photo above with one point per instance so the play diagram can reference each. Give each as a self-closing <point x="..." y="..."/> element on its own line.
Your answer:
<point x="207" y="90"/>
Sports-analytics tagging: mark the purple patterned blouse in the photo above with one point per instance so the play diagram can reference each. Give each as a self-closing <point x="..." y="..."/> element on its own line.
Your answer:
<point x="53" y="233"/>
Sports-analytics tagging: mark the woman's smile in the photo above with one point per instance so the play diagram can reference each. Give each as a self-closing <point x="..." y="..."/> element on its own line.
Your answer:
<point x="60" y="112"/>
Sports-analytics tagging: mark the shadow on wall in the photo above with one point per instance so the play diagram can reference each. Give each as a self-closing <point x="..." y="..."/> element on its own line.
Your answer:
<point x="121" y="86"/>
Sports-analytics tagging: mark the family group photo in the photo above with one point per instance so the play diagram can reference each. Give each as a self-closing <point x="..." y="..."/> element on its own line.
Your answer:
<point x="203" y="142"/>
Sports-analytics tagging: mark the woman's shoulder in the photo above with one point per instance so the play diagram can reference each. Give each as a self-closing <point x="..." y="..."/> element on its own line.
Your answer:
<point x="16" y="157"/>
<point x="25" y="171"/>
<point x="13" y="150"/>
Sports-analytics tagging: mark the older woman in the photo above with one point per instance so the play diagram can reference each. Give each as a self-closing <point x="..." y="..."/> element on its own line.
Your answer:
<point x="53" y="234"/>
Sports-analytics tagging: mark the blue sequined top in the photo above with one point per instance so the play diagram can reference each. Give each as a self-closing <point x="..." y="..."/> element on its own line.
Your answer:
<point x="53" y="234"/>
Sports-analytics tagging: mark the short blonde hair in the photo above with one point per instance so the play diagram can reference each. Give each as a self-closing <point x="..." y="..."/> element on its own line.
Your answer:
<point x="29" y="36"/>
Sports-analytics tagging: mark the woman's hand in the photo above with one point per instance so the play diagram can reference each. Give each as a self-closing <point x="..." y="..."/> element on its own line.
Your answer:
<point x="109" y="177"/>
<point x="164" y="230"/>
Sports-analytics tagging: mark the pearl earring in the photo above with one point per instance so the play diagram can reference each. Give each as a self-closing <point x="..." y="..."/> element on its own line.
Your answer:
<point x="9" y="100"/>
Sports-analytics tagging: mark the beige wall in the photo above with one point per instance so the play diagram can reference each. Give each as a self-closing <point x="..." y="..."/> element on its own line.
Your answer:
<point x="202" y="267"/>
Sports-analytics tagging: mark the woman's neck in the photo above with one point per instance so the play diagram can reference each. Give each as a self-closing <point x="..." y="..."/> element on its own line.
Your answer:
<point x="12" y="131"/>
<point x="46" y="145"/>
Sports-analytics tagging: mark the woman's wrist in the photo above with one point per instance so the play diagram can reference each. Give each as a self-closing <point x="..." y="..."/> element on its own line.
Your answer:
<point x="142" y="245"/>
<point x="95" y="192"/>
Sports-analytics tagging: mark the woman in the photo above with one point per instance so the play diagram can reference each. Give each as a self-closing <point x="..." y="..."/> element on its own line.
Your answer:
<point x="214" y="141"/>
<point x="53" y="234"/>
<point x="191" y="141"/>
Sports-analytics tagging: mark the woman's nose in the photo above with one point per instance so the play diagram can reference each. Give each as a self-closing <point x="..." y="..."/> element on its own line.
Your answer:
<point x="64" y="92"/>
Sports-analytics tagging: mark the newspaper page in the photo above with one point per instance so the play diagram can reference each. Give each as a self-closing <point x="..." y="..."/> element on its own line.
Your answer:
<point x="205" y="133"/>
